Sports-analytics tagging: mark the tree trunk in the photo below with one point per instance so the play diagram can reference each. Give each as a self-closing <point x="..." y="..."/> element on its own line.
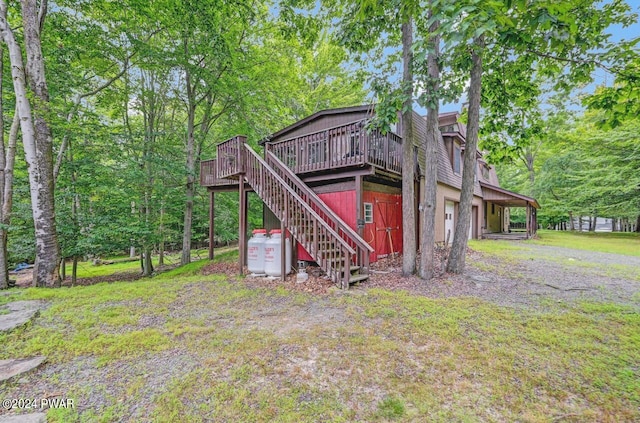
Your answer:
<point x="74" y="271"/>
<point x="132" y="248"/>
<point x="638" y="224"/>
<point x="571" y="225"/>
<point x="63" y="269"/>
<point x="190" y="188"/>
<point x="432" y="138"/>
<point x="147" y="263"/>
<point x="47" y="248"/>
<point x="580" y="224"/>
<point x="593" y="224"/>
<point x="408" y="160"/>
<point x="7" y="195"/>
<point x="457" y="255"/>
<point x="36" y="137"/>
<point x="161" y="229"/>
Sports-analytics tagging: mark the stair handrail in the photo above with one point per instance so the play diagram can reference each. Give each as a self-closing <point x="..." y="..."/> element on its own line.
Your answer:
<point x="341" y="224"/>
<point x="304" y="204"/>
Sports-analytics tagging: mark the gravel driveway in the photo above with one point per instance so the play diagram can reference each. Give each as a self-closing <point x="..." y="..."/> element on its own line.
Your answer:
<point x="534" y="276"/>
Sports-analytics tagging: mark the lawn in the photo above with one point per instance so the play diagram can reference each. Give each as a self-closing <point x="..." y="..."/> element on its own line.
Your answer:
<point x="86" y="269"/>
<point x="193" y="348"/>
<point x="627" y="243"/>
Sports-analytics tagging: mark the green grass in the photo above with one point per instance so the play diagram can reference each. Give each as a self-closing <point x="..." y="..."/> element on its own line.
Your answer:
<point x="606" y="242"/>
<point x="86" y="269"/>
<point x="272" y="355"/>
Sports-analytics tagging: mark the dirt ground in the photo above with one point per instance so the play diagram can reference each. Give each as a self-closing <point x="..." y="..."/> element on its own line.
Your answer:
<point x="532" y="277"/>
<point x="538" y="274"/>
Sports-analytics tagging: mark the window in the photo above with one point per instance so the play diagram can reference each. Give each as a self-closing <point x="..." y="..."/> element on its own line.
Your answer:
<point x="485" y="172"/>
<point x="456" y="159"/>
<point x="493" y="208"/>
<point x="368" y="213"/>
<point x="449" y="128"/>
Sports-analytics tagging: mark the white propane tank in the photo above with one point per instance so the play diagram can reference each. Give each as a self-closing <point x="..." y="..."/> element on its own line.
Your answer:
<point x="272" y="254"/>
<point x="255" y="251"/>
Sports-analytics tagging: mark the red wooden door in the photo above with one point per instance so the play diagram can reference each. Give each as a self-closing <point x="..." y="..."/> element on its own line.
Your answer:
<point x="387" y="222"/>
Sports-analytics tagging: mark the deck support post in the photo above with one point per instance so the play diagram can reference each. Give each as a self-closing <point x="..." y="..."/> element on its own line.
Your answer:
<point x="359" y="211"/>
<point x="242" y="236"/>
<point x="528" y="221"/>
<point x="283" y="243"/>
<point x="212" y="214"/>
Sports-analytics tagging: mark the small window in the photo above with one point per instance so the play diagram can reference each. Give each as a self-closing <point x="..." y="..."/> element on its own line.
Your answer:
<point x="485" y="172"/>
<point x="368" y="213"/>
<point x="456" y="159"/>
<point x="493" y="208"/>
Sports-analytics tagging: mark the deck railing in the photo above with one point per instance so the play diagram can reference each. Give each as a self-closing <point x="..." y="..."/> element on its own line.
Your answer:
<point x="345" y="146"/>
<point x="349" y="235"/>
<point x="229" y="161"/>
<point x="339" y="147"/>
<point x="209" y="175"/>
<point x="332" y="253"/>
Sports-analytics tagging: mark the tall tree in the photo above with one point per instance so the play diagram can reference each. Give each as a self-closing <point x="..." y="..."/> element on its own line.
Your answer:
<point x="408" y="156"/>
<point x="430" y="99"/>
<point x="36" y="134"/>
<point x="456" y="261"/>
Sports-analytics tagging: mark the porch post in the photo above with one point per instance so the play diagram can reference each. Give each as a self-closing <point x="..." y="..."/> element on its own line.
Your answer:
<point x="528" y="221"/>
<point x="212" y="202"/>
<point x="242" y="219"/>
<point x="283" y="242"/>
<point x="359" y="211"/>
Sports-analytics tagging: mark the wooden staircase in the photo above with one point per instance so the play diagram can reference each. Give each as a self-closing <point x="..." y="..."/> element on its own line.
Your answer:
<point x="336" y="247"/>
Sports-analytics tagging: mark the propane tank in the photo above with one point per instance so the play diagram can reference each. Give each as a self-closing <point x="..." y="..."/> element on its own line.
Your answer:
<point x="273" y="253"/>
<point x="255" y="251"/>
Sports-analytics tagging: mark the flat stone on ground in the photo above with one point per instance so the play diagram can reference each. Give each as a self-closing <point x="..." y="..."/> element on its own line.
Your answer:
<point x="25" y="418"/>
<point x="20" y="312"/>
<point x="16" y="366"/>
<point x="479" y="278"/>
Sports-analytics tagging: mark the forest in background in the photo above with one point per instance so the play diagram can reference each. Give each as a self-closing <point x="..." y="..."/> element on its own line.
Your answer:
<point x="140" y="93"/>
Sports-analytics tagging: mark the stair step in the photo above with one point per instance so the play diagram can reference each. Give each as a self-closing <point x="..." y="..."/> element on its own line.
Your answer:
<point x="354" y="269"/>
<point x="358" y="278"/>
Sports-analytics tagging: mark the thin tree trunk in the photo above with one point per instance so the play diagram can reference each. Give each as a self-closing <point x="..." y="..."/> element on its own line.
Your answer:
<point x="63" y="269"/>
<point x="580" y="224"/>
<point x="571" y="225"/>
<point x="7" y="195"/>
<point x="593" y="225"/>
<point x="408" y="168"/>
<point x="190" y="187"/>
<point x="74" y="271"/>
<point x="457" y="255"/>
<point x="431" y="140"/>
<point x="638" y="224"/>
<point x="132" y="248"/>
<point x="161" y="229"/>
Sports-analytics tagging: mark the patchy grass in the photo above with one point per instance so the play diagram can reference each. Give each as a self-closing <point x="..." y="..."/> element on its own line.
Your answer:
<point x="86" y="269"/>
<point x="626" y="243"/>
<point x="367" y="355"/>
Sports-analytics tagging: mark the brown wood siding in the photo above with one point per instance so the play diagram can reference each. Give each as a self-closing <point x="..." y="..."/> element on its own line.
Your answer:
<point x="322" y="122"/>
<point x="386" y="189"/>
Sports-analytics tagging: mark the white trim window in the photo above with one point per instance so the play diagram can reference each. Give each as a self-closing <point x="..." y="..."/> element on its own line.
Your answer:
<point x="368" y="212"/>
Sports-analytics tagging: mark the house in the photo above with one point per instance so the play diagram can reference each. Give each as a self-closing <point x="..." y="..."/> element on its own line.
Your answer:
<point x="336" y="187"/>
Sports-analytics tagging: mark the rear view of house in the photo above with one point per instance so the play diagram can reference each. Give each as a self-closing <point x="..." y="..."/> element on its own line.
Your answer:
<point x="336" y="186"/>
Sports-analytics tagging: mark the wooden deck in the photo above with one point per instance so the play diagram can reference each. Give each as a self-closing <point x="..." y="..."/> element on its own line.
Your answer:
<point x="513" y="236"/>
<point x="341" y="148"/>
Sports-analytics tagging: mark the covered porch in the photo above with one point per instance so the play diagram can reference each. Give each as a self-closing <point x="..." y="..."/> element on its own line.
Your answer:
<point x="506" y="199"/>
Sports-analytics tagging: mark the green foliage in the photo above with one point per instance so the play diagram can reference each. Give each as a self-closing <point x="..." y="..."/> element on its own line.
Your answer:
<point x="593" y="172"/>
